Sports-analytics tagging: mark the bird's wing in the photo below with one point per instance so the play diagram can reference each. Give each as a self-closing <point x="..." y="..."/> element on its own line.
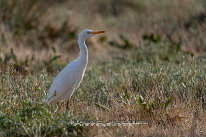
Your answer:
<point x="59" y="96"/>
<point x="64" y="82"/>
<point x="68" y="94"/>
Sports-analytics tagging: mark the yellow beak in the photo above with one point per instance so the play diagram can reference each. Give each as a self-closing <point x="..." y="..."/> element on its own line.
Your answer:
<point x="95" y="32"/>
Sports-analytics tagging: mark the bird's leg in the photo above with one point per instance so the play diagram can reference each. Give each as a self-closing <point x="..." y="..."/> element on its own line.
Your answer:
<point x="67" y="105"/>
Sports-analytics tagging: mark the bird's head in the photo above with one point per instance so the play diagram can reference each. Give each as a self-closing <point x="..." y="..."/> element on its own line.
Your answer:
<point x="88" y="33"/>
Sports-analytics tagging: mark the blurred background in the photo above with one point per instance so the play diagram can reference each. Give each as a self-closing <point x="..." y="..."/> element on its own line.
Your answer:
<point x="37" y="29"/>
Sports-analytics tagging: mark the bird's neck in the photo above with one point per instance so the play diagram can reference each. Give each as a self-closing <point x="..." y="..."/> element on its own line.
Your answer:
<point x="83" y="56"/>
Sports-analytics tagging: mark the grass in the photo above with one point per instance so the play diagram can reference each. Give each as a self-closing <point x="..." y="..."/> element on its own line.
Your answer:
<point x="148" y="67"/>
<point x="141" y="85"/>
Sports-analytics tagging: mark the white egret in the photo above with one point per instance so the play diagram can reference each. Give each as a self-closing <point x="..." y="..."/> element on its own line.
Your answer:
<point x="71" y="76"/>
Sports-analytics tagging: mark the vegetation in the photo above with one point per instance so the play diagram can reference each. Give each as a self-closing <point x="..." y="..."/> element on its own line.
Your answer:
<point x="155" y="75"/>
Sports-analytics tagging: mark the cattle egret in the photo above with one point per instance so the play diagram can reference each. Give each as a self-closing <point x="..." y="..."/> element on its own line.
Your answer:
<point x="69" y="79"/>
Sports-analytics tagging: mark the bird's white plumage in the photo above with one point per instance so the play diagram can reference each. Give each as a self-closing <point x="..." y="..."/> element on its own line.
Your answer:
<point x="70" y="77"/>
<point x="64" y="83"/>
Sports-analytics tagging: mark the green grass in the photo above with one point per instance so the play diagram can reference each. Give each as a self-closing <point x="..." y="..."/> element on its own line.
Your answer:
<point x="144" y="84"/>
